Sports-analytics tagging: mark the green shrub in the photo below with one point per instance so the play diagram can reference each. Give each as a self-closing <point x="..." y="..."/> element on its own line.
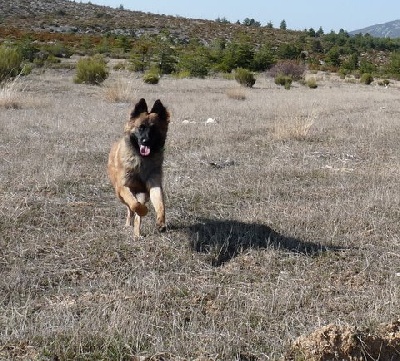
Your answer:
<point x="119" y="66"/>
<point x="366" y="79"/>
<point x="151" y="77"/>
<point x="51" y="59"/>
<point x="58" y="50"/>
<point x="26" y="69"/>
<point x="312" y="83"/>
<point x="28" y="49"/>
<point x="182" y="74"/>
<point x="283" y="80"/>
<point x="245" y="77"/>
<point x="343" y="73"/>
<point x="367" y="67"/>
<point x="196" y="64"/>
<point x="10" y="62"/>
<point x="91" y="70"/>
<point x="384" y="82"/>
<point x="393" y="67"/>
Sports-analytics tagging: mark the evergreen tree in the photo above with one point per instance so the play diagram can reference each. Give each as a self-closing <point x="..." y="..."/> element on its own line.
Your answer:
<point x="320" y="32"/>
<point x="142" y="53"/>
<point x="263" y="58"/>
<point x="251" y="22"/>
<point x="333" y="56"/>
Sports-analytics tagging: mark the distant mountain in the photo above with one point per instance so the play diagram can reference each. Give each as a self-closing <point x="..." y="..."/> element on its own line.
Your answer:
<point x="386" y="30"/>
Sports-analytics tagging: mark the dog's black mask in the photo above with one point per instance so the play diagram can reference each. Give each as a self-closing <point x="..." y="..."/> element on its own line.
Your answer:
<point x="147" y="140"/>
<point x="148" y="135"/>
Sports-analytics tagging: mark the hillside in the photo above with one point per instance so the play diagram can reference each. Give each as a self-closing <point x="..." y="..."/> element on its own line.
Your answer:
<point x="44" y="31"/>
<point x="390" y="29"/>
<point x="66" y="17"/>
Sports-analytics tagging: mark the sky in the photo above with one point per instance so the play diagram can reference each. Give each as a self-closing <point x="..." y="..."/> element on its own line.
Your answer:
<point x="298" y="14"/>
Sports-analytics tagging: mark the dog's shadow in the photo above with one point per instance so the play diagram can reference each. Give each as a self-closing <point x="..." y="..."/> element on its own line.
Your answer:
<point x="223" y="240"/>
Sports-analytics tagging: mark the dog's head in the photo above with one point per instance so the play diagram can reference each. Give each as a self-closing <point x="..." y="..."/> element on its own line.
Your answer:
<point x="147" y="131"/>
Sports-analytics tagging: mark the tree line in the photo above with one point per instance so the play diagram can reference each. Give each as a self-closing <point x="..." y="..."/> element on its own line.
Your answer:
<point x="163" y="53"/>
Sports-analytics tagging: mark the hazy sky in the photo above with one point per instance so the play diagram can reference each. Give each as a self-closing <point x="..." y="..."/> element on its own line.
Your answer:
<point x="298" y="14"/>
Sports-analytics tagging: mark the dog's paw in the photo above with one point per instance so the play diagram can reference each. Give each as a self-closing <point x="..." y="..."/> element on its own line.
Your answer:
<point x="161" y="227"/>
<point x="141" y="210"/>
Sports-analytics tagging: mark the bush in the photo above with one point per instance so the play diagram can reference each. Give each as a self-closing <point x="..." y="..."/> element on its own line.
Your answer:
<point x="151" y="77"/>
<point x="58" y="50"/>
<point x="393" y="68"/>
<point x="182" y="74"/>
<point x="312" y="83"/>
<point x="196" y="64"/>
<point x="119" y="66"/>
<point x="343" y="73"/>
<point x="284" y="80"/>
<point x="367" y="67"/>
<point x="10" y="62"/>
<point x="290" y="68"/>
<point x="26" y="69"/>
<point x="366" y="79"/>
<point x="384" y="82"/>
<point x="245" y="77"/>
<point x="237" y="94"/>
<point x="91" y="70"/>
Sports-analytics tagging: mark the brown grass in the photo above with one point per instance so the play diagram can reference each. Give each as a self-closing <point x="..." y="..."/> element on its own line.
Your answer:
<point x="14" y="95"/>
<point x="10" y="96"/>
<point x="284" y="236"/>
<point x="236" y="93"/>
<point x="122" y="89"/>
<point x="297" y="126"/>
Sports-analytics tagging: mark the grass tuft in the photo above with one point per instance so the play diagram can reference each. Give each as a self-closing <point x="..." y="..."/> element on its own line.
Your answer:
<point x="236" y="93"/>
<point x="121" y="90"/>
<point x="10" y="96"/>
<point x="296" y="127"/>
<point x="13" y="95"/>
<point x="92" y="70"/>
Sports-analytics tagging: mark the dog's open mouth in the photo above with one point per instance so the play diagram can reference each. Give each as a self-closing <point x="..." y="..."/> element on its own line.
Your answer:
<point x="144" y="150"/>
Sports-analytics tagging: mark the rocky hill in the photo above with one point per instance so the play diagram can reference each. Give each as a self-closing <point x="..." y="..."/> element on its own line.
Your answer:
<point x="386" y="30"/>
<point x="65" y="16"/>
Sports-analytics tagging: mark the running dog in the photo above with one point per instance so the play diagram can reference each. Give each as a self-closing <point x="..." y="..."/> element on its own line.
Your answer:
<point x="135" y="163"/>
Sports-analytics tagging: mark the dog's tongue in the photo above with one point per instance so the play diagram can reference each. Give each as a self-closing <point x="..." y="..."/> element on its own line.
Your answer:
<point x="144" y="151"/>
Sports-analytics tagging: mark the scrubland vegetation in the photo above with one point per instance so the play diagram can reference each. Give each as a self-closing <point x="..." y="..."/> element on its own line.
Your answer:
<point x="186" y="48"/>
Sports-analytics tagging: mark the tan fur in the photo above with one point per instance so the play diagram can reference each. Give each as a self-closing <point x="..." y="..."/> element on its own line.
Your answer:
<point x="138" y="178"/>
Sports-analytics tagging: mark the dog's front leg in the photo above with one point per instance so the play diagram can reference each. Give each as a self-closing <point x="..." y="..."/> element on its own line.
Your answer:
<point x="157" y="199"/>
<point x="126" y="196"/>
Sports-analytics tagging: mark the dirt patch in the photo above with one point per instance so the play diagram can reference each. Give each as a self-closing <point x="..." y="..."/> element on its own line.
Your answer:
<point x="348" y="343"/>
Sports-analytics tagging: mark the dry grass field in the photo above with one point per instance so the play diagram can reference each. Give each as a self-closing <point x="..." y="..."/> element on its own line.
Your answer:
<point x="283" y="219"/>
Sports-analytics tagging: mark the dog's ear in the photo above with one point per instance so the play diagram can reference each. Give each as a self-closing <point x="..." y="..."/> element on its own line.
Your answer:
<point x="140" y="107"/>
<point x="159" y="109"/>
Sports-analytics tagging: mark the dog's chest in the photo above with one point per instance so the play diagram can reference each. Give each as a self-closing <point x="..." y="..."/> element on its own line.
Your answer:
<point x="140" y="170"/>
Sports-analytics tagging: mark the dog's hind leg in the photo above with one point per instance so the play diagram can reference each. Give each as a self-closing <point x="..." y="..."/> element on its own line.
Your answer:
<point x="136" y="226"/>
<point x="129" y="215"/>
